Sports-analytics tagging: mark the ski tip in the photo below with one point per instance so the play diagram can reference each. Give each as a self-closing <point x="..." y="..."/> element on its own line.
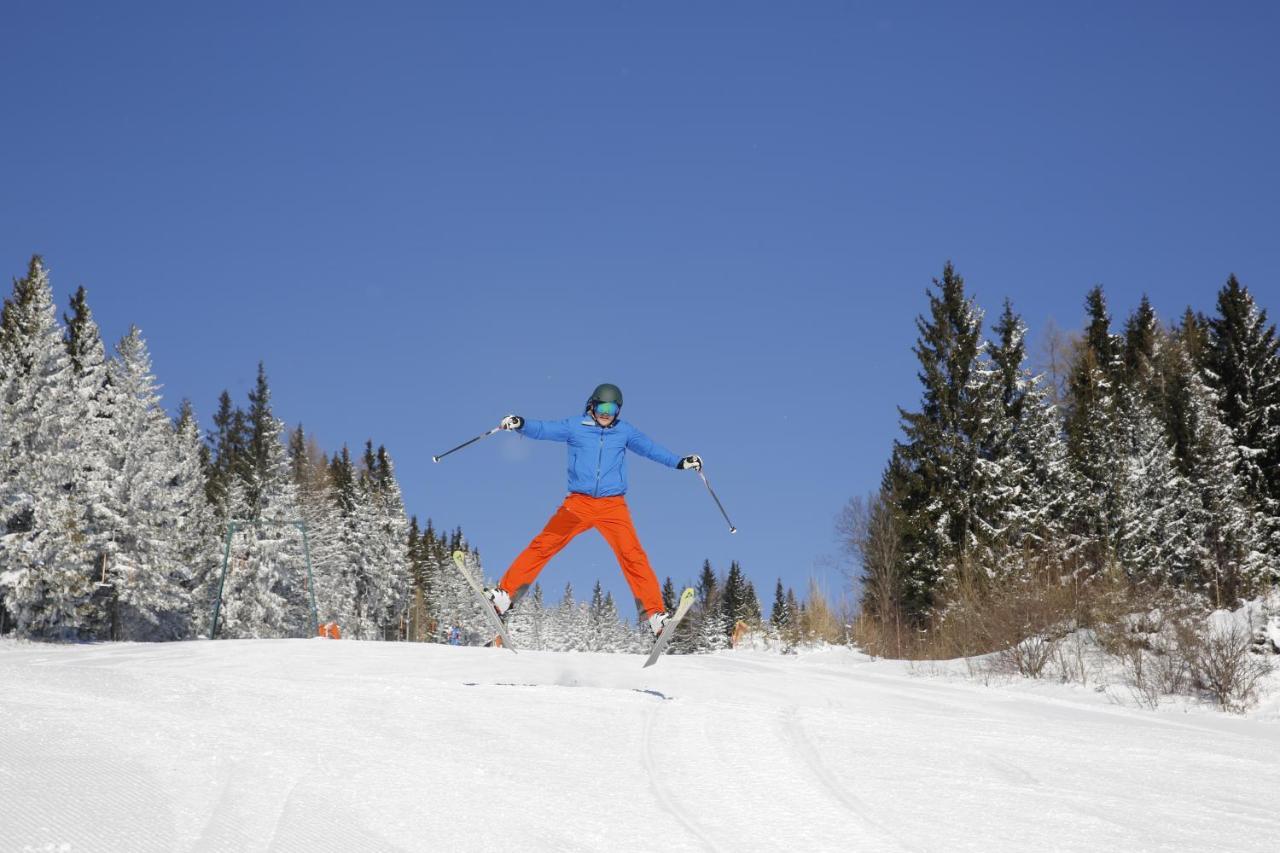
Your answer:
<point x="733" y="530"/>
<point x="435" y="458"/>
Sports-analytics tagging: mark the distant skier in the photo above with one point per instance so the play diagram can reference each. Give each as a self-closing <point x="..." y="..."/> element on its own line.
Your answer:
<point x="598" y="443"/>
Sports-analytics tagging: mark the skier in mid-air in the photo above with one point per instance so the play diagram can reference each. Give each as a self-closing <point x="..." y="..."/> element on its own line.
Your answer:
<point x="598" y="443"/>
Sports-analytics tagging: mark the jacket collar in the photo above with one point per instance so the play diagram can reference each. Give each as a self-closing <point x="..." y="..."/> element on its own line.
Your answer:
<point x="587" y="420"/>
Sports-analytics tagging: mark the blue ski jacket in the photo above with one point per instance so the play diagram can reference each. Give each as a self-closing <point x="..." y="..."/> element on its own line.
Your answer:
<point x="598" y="456"/>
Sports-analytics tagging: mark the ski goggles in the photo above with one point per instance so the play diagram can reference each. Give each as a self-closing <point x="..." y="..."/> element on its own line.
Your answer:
<point x="606" y="410"/>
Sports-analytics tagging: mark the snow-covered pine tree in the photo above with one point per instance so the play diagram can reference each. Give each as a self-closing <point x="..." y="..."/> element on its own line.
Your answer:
<point x="227" y="442"/>
<point x="568" y="624"/>
<point x="393" y="557"/>
<point x="780" y="615"/>
<point x="91" y="419"/>
<point x="1036" y="445"/>
<point x="952" y="478"/>
<point x="152" y="582"/>
<point x="1153" y="542"/>
<point x="195" y="528"/>
<point x="336" y="586"/>
<point x="320" y="509"/>
<point x="45" y="569"/>
<point x="453" y="604"/>
<point x="710" y="626"/>
<point x="365" y="556"/>
<point x="527" y="621"/>
<point x="605" y="631"/>
<point x="751" y="612"/>
<point x="1144" y="342"/>
<point x="1231" y="560"/>
<point x="266" y="593"/>
<point x="1242" y="363"/>
<point x="416" y="618"/>
<point x="1094" y="444"/>
<point x="738" y="600"/>
<point x="669" y="598"/>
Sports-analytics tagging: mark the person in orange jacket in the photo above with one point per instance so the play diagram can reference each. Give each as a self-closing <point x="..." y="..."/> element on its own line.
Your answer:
<point x="598" y="442"/>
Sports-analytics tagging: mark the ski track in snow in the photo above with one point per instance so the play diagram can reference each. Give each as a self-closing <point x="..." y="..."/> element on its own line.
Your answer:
<point x="809" y="756"/>
<point x="668" y="798"/>
<point x="318" y="745"/>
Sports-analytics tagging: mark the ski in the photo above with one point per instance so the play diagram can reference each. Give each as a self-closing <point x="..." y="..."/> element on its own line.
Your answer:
<point x="669" y="629"/>
<point x="486" y="606"/>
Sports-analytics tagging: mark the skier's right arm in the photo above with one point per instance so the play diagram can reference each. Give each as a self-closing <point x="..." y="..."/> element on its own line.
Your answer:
<point x="545" y="430"/>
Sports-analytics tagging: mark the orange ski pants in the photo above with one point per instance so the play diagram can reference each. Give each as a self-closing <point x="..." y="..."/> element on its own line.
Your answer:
<point x="577" y="514"/>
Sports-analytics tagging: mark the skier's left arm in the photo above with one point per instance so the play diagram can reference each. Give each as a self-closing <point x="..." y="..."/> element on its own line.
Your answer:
<point x="640" y="443"/>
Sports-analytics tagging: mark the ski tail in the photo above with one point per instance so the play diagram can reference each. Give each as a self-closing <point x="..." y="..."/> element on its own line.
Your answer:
<point x="486" y="606"/>
<point x="669" y="629"/>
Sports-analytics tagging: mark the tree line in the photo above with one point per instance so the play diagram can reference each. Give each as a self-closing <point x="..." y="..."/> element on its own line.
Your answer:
<point x="1147" y="455"/>
<point x="120" y="522"/>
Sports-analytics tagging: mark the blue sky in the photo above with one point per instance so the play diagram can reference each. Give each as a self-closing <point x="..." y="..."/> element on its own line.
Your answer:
<point x="424" y="216"/>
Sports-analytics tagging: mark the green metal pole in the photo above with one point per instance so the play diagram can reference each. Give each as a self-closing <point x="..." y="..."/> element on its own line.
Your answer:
<point x="226" y="555"/>
<point x="311" y="580"/>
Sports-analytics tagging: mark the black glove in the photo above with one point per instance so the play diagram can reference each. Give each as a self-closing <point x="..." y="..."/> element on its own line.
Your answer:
<point x="512" y="422"/>
<point x="693" y="461"/>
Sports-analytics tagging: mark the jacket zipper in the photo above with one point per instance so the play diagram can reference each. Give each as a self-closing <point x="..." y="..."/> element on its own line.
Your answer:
<point x="599" y="462"/>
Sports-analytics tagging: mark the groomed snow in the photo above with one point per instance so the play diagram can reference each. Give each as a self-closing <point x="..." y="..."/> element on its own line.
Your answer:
<point x="317" y="745"/>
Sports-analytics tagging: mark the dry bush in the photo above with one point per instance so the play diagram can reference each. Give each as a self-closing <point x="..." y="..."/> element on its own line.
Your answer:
<point x="818" y="622"/>
<point x="1071" y="659"/>
<point x="887" y="636"/>
<point x="1222" y="663"/>
<point x="1021" y="619"/>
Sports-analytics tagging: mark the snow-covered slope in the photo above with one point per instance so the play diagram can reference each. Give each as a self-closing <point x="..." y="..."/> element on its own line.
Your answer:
<point x="315" y="745"/>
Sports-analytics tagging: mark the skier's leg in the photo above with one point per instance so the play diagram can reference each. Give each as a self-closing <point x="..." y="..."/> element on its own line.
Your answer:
<point x="562" y="527"/>
<point x="614" y="523"/>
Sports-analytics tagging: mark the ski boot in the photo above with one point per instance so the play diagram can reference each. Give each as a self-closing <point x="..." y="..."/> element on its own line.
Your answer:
<point x="500" y="600"/>
<point x="657" y="622"/>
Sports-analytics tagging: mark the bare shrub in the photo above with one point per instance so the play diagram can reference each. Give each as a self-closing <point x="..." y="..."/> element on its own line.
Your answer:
<point x="818" y="622"/>
<point x="1152" y="642"/>
<point x="868" y="531"/>
<point x="1221" y="663"/>
<point x="1021" y="619"/>
<point x="1071" y="659"/>
<point x="1139" y="676"/>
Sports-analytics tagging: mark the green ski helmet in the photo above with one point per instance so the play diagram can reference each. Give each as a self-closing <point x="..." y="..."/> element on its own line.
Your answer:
<point x="605" y="393"/>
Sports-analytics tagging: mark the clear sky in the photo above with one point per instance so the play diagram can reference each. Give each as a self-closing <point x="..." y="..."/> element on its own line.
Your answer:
<point x="423" y="216"/>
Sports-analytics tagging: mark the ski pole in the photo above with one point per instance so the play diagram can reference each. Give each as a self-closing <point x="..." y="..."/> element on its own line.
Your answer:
<point x="465" y="443"/>
<point x="732" y="529"/>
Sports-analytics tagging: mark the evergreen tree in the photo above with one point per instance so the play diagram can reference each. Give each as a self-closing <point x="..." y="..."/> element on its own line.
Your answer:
<point x="780" y="616"/>
<point x="227" y="440"/>
<point x="952" y="477"/>
<point x="1242" y="363"/>
<point x="267" y="594"/>
<point x="708" y="586"/>
<point x="751" y="613"/>
<point x="710" y="625"/>
<point x="738" y="599"/>
<point x="45" y="569"/>
<point x="1143" y="343"/>
<point x="605" y="631"/>
<point x="142" y="509"/>
<point x="1230" y="558"/>
<point x="527" y="621"/>
<point x="1153" y="541"/>
<point x="195" y="529"/>
<point x="569" y="624"/>
<point x="1035" y="455"/>
<point x="1094" y="441"/>
<point x="91" y="418"/>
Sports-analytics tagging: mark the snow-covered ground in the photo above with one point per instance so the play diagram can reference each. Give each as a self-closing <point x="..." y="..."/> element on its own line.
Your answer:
<point x="317" y="745"/>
